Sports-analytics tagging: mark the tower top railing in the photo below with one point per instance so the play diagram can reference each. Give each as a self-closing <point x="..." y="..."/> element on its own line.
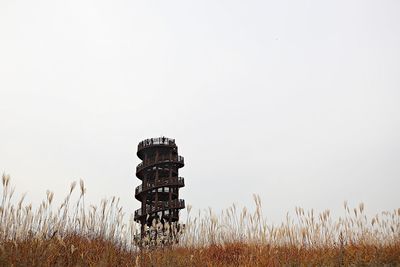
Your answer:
<point x="156" y="141"/>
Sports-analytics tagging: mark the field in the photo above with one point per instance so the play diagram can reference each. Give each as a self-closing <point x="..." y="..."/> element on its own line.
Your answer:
<point x="77" y="234"/>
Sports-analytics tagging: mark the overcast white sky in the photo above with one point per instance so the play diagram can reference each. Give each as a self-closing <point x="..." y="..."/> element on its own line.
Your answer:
<point x="297" y="101"/>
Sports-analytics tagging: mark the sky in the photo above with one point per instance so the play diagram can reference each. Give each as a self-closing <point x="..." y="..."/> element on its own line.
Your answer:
<point x="296" y="101"/>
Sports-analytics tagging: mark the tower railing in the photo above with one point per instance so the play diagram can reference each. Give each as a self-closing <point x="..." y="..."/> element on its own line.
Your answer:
<point x="156" y="141"/>
<point x="161" y="205"/>
<point x="160" y="182"/>
<point x="161" y="159"/>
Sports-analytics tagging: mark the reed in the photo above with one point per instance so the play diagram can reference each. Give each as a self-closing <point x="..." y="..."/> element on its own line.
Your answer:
<point x="77" y="234"/>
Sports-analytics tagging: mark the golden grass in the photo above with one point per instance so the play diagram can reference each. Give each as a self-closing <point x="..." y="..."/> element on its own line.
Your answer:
<point x="76" y="235"/>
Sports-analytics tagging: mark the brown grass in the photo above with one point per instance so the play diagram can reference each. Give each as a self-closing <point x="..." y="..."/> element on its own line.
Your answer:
<point x="80" y="251"/>
<point x="76" y="235"/>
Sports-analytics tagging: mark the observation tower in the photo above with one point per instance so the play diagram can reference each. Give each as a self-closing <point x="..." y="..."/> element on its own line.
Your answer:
<point x="159" y="173"/>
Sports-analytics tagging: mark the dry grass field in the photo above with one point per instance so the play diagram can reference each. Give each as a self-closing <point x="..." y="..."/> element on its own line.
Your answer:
<point x="77" y="234"/>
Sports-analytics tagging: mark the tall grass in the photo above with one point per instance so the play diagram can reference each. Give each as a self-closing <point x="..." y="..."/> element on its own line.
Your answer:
<point x="77" y="234"/>
<point x="306" y="229"/>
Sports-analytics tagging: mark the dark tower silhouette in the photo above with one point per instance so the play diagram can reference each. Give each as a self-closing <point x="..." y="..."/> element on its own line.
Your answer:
<point x="159" y="191"/>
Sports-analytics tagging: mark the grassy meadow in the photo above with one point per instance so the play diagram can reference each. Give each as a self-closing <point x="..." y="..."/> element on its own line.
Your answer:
<point x="79" y="234"/>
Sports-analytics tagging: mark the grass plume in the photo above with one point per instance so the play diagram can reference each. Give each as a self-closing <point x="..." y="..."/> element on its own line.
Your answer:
<point x="75" y="234"/>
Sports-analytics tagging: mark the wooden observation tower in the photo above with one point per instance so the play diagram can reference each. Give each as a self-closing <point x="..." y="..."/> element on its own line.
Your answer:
<point x="159" y="191"/>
